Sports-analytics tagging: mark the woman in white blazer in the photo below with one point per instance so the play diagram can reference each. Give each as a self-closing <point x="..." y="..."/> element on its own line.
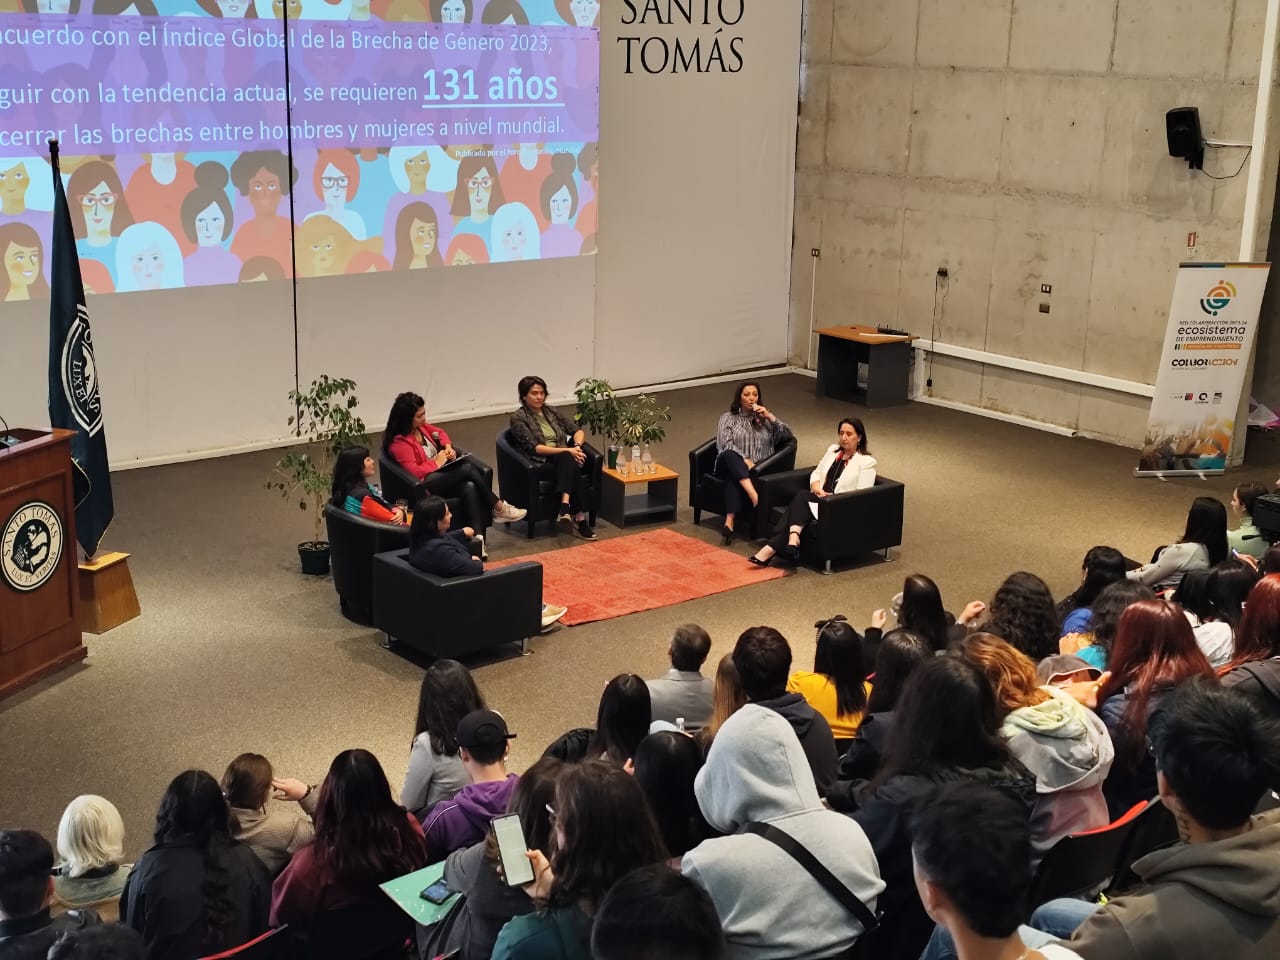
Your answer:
<point x="845" y="466"/>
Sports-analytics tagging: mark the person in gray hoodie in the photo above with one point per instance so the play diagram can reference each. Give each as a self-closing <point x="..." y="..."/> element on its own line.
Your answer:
<point x="1063" y="743"/>
<point x="769" y="905"/>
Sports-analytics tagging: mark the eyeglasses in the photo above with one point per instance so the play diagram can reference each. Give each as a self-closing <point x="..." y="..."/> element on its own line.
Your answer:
<point x="330" y="182"/>
<point x="480" y="183"/>
<point x="104" y="200"/>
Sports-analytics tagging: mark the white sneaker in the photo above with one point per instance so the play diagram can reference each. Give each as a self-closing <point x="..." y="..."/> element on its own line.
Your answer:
<point x="551" y="613"/>
<point x="484" y="549"/>
<point x="506" y="513"/>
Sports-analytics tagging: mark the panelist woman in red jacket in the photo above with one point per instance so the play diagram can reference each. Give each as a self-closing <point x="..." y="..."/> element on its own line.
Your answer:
<point x="422" y="448"/>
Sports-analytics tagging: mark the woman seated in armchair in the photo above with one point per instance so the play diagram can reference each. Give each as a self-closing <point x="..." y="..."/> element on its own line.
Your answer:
<point x="422" y="449"/>
<point x="845" y="466"/>
<point x="434" y="549"/>
<point x="746" y="435"/>
<point x="353" y="491"/>
<point x="547" y="436"/>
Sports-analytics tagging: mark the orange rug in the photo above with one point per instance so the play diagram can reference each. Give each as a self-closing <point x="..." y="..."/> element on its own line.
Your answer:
<point x="644" y="571"/>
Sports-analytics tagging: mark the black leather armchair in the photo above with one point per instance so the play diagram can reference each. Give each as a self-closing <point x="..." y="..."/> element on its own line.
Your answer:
<point x="706" y="490"/>
<point x="399" y="484"/>
<point x="524" y="482"/>
<point x="455" y="616"/>
<point x="849" y="524"/>
<point x="353" y="541"/>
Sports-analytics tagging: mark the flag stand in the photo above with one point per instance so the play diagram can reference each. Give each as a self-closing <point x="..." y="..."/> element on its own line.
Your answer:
<point x="107" y="596"/>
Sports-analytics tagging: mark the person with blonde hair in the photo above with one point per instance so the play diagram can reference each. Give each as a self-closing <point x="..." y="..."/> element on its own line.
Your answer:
<point x="727" y="698"/>
<point x="91" y="848"/>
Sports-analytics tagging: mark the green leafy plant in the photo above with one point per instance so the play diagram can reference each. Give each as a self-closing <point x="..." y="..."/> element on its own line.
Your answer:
<point x="599" y="409"/>
<point x="326" y="422"/>
<point x="642" y="421"/>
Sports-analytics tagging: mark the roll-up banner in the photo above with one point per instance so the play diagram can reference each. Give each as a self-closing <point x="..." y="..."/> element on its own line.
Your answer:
<point x="1212" y="324"/>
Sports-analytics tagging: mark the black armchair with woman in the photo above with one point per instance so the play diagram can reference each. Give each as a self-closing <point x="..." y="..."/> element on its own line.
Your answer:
<point x="747" y="435"/>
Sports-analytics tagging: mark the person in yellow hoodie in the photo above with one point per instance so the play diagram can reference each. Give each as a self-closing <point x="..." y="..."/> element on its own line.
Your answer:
<point x="837" y="687"/>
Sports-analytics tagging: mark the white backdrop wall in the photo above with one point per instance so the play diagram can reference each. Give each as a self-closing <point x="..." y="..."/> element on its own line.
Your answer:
<point x="692" y="277"/>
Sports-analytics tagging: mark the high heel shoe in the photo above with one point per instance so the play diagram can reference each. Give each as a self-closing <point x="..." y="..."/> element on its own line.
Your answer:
<point x="758" y="562"/>
<point x="726" y="535"/>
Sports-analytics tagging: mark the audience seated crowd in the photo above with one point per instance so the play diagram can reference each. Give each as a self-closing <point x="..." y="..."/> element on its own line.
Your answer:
<point x="893" y="802"/>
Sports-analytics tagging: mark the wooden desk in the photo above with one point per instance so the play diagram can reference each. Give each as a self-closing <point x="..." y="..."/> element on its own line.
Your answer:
<point x="657" y="503"/>
<point x="888" y="360"/>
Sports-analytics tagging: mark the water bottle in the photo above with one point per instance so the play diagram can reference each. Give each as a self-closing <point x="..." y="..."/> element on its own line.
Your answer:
<point x="636" y="466"/>
<point x="646" y="460"/>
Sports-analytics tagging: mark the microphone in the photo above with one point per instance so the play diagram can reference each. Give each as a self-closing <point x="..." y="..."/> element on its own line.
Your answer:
<point x="7" y="439"/>
<point x="435" y="438"/>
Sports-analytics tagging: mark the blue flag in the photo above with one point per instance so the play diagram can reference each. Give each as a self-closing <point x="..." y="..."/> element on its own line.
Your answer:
<point x="74" y="402"/>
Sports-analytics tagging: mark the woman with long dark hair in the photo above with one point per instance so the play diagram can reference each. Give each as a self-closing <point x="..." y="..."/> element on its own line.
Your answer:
<point x="602" y="830"/>
<point x="1155" y="650"/>
<point x="1203" y="545"/>
<point x="622" y="720"/>
<point x="487" y="902"/>
<point x="947" y="728"/>
<point x="847" y="465"/>
<point x="666" y="764"/>
<point x="1022" y="612"/>
<point x="363" y="838"/>
<point x="197" y="891"/>
<point x="746" y="435"/>
<point x="837" y="688"/>
<point x="920" y="611"/>
<point x="1102" y="567"/>
<point x="1094" y="647"/>
<point x="1214" y="603"/>
<point x="1255" y="668"/>
<point x="354" y="491"/>
<point x="447" y="694"/>
<point x="425" y="451"/>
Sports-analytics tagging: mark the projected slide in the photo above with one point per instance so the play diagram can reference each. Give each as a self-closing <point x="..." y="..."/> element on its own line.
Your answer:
<point x="407" y="134"/>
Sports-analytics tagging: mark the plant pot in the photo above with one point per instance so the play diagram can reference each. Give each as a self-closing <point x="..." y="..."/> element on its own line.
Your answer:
<point x="613" y="458"/>
<point x="314" y="555"/>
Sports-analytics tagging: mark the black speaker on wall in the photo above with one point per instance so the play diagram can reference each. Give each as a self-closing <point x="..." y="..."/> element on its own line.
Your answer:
<point x="1182" y="127"/>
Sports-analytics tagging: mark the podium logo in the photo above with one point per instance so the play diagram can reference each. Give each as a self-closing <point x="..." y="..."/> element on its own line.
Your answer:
<point x="1219" y="298"/>
<point x="80" y="375"/>
<point x="30" y="546"/>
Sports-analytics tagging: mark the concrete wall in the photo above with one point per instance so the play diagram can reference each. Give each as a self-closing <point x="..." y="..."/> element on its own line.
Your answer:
<point x="1019" y="143"/>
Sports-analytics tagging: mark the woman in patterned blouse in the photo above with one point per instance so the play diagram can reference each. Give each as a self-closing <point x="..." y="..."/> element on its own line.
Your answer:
<point x="746" y="435"/>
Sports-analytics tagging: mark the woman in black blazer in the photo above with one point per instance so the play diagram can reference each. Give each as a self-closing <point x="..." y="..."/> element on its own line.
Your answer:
<point x="547" y="436"/>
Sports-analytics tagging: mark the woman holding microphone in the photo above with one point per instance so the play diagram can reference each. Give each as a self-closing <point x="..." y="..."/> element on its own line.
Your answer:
<point x="745" y="435"/>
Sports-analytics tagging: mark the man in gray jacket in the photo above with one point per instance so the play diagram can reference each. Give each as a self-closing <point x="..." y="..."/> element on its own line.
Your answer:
<point x="684" y="692"/>
<point x="769" y="905"/>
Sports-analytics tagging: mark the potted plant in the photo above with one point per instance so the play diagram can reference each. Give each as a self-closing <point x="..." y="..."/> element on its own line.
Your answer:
<point x="326" y="422"/>
<point x="599" y="412"/>
<point x="642" y="422"/>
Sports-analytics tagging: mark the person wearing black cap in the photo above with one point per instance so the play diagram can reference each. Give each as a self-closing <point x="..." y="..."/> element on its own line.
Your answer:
<point x="483" y="745"/>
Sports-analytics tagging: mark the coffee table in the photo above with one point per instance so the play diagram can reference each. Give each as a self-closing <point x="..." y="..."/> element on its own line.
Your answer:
<point x="657" y="502"/>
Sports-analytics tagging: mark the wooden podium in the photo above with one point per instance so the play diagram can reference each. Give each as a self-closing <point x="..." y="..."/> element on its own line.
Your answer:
<point x="39" y="583"/>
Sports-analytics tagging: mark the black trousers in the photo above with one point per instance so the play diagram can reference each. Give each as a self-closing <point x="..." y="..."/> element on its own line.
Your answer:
<point x="797" y="515"/>
<point x="467" y="482"/>
<point x="732" y="468"/>
<point x="575" y="479"/>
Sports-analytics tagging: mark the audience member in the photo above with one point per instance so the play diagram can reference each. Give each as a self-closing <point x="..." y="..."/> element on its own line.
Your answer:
<point x="27" y="929"/>
<point x="1213" y="602"/>
<point x="1022" y="612"/>
<point x="622" y="719"/>
<point x="921" y="612"/>
<point x="769" y="904"/>
<point x="1271" y="560"/>
<point x="91" y="848"/>
<point x="271" y="830"/>
<point x="363" y="838"/>
<point x="197" y="890"/>
<point x="837" y="688"/>
<point x="571" y="746"/>
<point x="602" y="830"/>
<point x="483" y="744"/>
<point x="900" y="654"/>
<point x="1203" y="545"/>
<point x="763" y="658"/>
<point x="354" y="490"/>
<point x="448" y="693"/>
<point x="487" y="903"/>
<point x="946" y="729"/>
<point x="728" y="697"/>
<point x="1102" y="567"/>
<point x="1094" y="647"/>
<point x="1155" y="650"/>
<point x="1062" y="743"/>
<point x="1213" y="895"/>
<point x="106" y="941"/>
<point x="665" y="766"/>
<point x="1246" y="538"/>
<point x="684" y="692"/>
<point x="1255" y="668"/>
<point x="971" y="847"/>
<point x="654" y="913"/>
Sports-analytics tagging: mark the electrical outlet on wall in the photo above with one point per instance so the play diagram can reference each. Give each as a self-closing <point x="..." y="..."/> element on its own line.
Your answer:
<point x="815" y="252"/>
<point x="1046" y="288"/>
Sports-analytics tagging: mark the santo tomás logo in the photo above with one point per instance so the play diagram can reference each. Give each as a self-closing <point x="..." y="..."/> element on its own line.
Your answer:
<point x="30" y="546"/>
<point x="80" y="374"/>
<point x="1219" y="298"/>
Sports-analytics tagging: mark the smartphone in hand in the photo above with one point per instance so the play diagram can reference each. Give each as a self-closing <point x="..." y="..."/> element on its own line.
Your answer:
<point x="509" y="833"/>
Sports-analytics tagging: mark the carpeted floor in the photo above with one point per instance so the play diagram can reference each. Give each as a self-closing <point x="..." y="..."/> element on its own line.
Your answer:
<point x="639" y="571"/>
<point x="236" y="651"/>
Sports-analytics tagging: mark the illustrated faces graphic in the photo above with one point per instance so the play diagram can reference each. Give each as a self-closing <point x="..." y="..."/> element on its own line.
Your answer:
<point x="13" y="185"/>
<point x="233" y="9"/>
<point x="99" y="206"/>
<point x="585" y="11"/>
<point x="416" y="169"/>
<point x="479" y="189"/>
<point x="453" y="11"/>
<point x="210" y="224"/>
<point x="561" y="204"/>
<point x="333" y="184"/>
<point x="264" y="193"/>
<point x="323" y="255"/>
<point x="22" y="264"/>
<point x="53" y="6"/>
<point x="295" y="9"/>
<point x="514" y="240"/>
<point x="423" y="237"/>
<point x="148" y="268"/>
